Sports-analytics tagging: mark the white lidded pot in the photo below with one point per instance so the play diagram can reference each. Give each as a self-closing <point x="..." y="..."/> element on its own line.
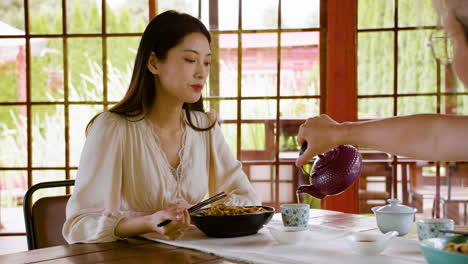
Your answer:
<point x="394" y="217"/>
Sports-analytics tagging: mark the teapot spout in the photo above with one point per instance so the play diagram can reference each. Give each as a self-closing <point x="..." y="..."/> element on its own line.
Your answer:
<point x="311" y="190"/>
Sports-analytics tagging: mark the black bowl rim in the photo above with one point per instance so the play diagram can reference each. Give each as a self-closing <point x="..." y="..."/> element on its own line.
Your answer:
<point x="210" y="224"/>
<point x="199" y="211"/>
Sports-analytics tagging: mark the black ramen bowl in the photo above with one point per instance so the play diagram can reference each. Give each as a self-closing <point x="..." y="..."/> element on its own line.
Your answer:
<point x="231" y="225"/>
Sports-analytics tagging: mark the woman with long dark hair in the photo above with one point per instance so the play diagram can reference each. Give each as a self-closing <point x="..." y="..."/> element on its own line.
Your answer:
<point x="156" y="152"/>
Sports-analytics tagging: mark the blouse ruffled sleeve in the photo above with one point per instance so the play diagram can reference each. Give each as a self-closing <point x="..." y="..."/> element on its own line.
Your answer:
<point x="93" y="210"/>
<point x="226" y="173"/>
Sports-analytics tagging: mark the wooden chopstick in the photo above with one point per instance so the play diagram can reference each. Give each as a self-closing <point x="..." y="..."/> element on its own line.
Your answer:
<point x="214" y="198"/>
<point x="199" y="205"/>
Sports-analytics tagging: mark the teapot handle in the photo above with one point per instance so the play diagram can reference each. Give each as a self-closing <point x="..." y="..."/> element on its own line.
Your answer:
<point x="304" y="147"/>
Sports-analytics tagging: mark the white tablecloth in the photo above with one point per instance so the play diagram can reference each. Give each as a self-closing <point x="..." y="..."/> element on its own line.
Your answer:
<point x="323" y="245"/>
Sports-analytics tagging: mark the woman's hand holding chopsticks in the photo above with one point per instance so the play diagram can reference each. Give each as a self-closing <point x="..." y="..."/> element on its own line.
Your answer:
<point x="169" y="222"/>
<point x="199" y="205"/>
<point x="178" y="224"/>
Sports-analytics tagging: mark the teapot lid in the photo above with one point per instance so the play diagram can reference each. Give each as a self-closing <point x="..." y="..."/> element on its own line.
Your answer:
<point x="394" y="206"/>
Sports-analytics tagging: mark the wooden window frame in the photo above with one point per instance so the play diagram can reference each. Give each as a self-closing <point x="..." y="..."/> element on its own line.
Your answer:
<point x="337" y="70"/>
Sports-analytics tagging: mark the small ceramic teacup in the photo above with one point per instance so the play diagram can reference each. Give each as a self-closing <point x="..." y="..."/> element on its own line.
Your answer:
<point x="295" y="215"/>
<point x="429" y="228"/>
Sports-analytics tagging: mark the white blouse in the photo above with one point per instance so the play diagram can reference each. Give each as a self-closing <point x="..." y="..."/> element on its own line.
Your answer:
<point x="123" y="172"/>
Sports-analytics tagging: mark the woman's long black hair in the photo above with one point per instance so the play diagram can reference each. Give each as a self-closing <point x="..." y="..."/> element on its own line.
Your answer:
<point x="163" y="33"/>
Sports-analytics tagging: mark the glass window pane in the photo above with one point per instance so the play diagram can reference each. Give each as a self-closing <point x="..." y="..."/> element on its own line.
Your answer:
<point x="12" y="18"/>
<point x="12" y="70"/>
<point x="84" y="17"/>
<point x="48" y="136"/>
<point x="126" y="16"/>
<point x="47" y="70"/>
<point x="413" y="13"/>
<point x="13" y="185"/>
<point x="258" y="109"/>
<point x="300" y="14"/>
<point x="211" y="88"/>
<point x="300" y="63"/>
<point x="259" y="64"/>
<point x="293" y="113"/>
<point x="184" y="6"/>
<point x="254" y="135"/>
<point x="121" y="53"/>
<point x="286" y="172"/>
<point x="260" y="172"/>
<point x="260" y="14"/>
<point x="288" y="137"/>
<point x="85" y="69"/>
<point x="46" y="176"/>
<point x="226" y="66"/>
<point x="228" y="14"/>
<point x="417" y="104"/>
<point x="205" y="15"/>
<point x="45" y="16"/>
<point x="227" y="116"/>
<point x="460" y="87"/>
<point x="80" y="115"/>
<point x="375" y="14"/>
<point x="299" y="108"/>
<point x="375" y="108"/>
<point x="230" y="134"/>
<point x="287" y="193"/>
<point x="462" y="104"/>
<point x="416" y="66"/>
<point x="258" y="128"/>
<point x="449" y="104"/>
<point x="73" y="174"/>
<point x="226" y="109"/>
<point x="13" y="137"/>
<point x="265" y="191"/>
<point x="375" y="63"/>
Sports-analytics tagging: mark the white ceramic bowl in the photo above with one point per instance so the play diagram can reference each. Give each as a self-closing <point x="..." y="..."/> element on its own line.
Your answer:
<point x="288" y="235"/>
<point x="394" y="217"/>
<point x="399" y="222"/>
<point x="369" y="244"/>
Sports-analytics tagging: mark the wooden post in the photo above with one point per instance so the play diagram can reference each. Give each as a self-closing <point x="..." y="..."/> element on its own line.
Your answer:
<point x="342" y="82"/>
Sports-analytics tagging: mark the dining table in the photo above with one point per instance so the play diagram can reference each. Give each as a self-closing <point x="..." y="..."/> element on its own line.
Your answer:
<point x="327" y="225"/>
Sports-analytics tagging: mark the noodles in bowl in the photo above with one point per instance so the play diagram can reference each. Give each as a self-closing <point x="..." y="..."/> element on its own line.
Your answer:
<point x="222" y="209"/>
<point x="231" y="221"/>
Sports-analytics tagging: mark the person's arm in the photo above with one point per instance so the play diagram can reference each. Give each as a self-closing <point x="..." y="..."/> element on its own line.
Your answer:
<point x="93" y="211"/>
<point x="422" y="136"/>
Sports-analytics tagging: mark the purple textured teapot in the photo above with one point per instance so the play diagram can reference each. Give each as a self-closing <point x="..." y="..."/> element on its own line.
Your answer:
<point x="333" y="172"/>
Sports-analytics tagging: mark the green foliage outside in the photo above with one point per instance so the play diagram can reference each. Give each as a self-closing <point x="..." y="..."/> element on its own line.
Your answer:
<point x="416" y="69"/>
<point x="85" y="84"/>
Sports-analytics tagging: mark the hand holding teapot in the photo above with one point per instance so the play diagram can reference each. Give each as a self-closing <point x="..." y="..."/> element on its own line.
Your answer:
<point x="333" y="172"/>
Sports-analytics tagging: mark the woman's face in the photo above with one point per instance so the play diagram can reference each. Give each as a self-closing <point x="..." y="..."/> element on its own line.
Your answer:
<point x="183" y="73"/>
